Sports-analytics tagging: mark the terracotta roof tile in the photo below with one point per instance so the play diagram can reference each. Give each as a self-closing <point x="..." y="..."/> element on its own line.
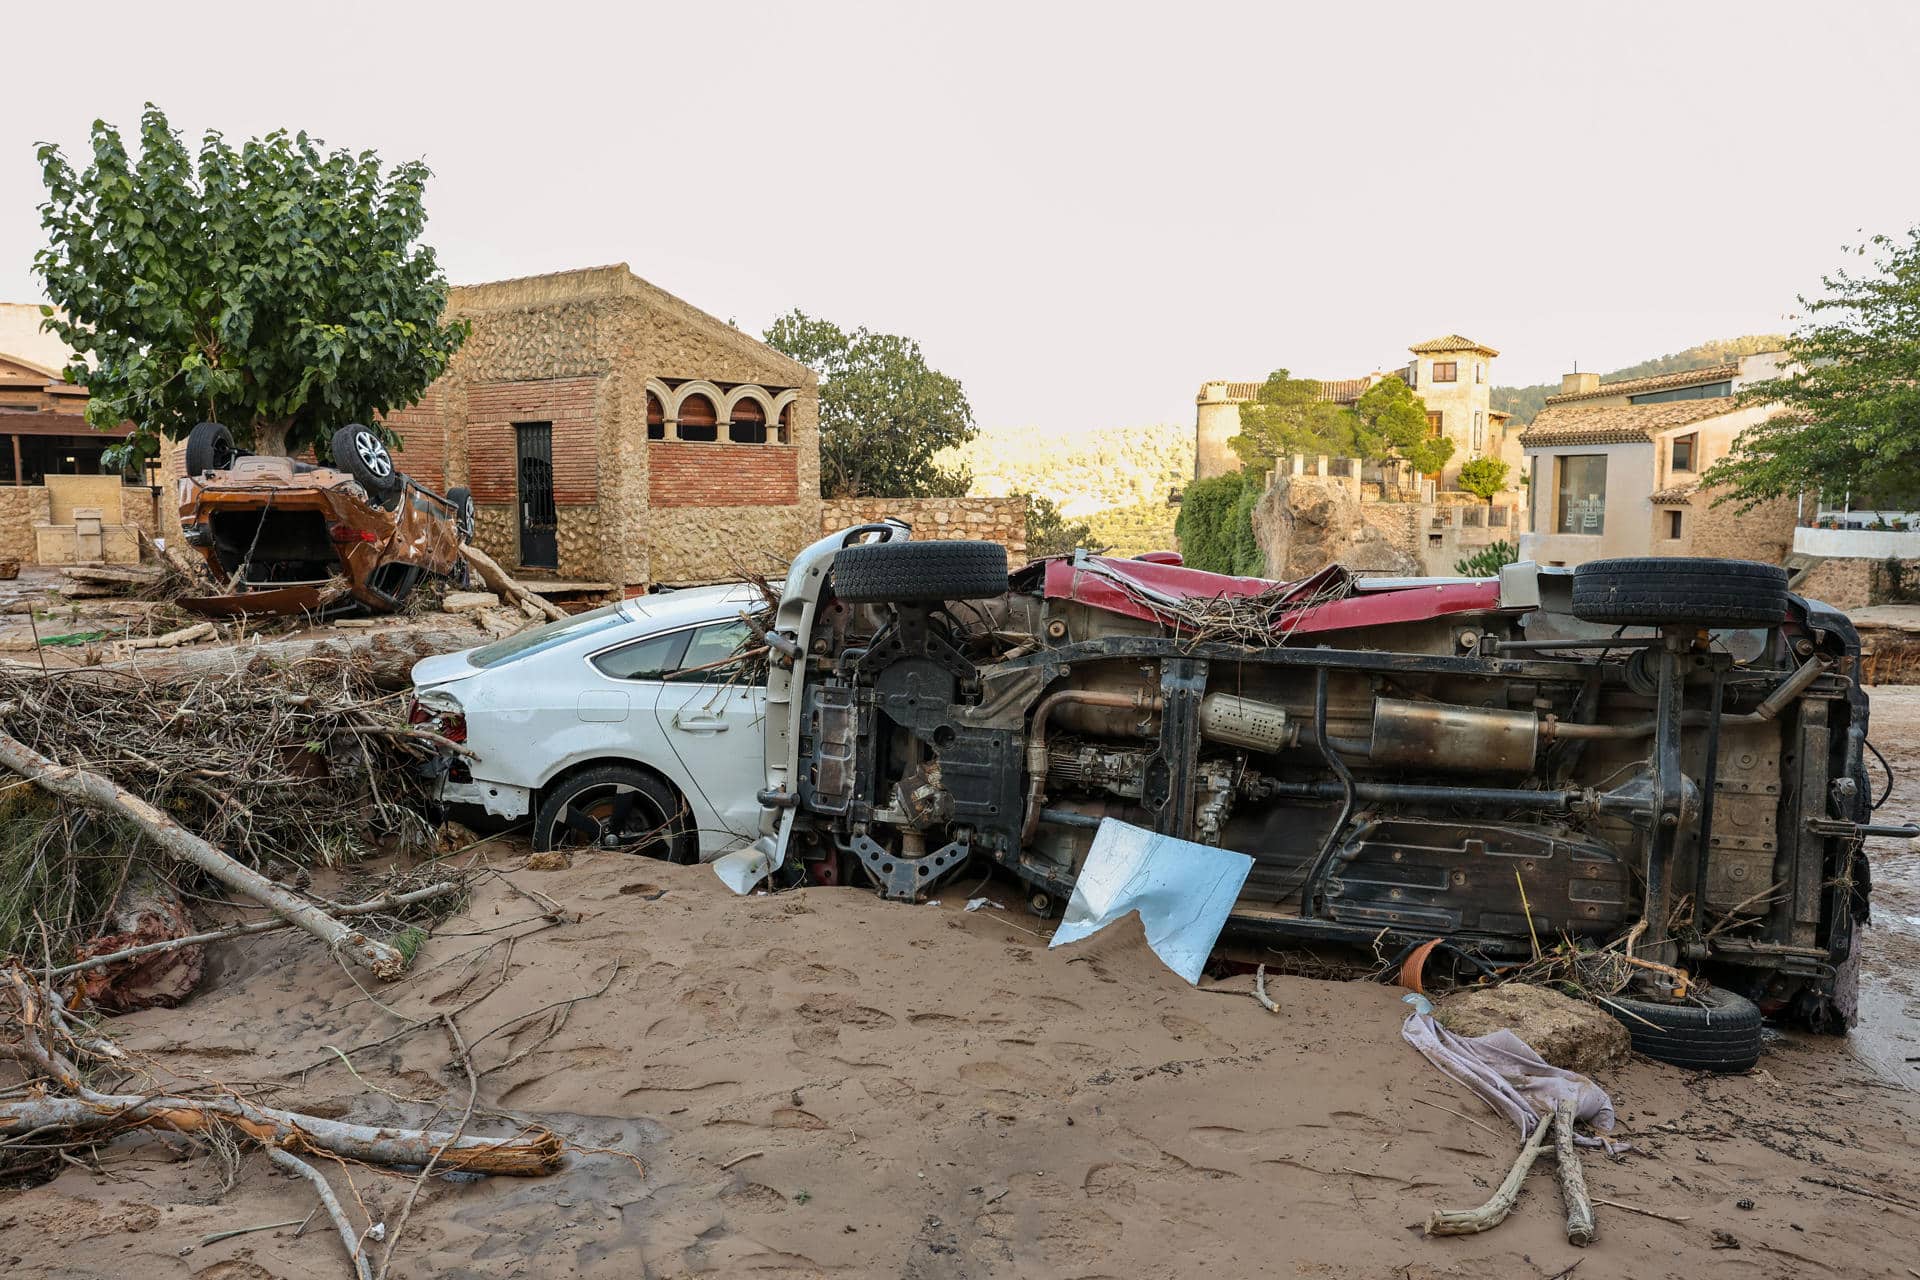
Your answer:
<point x="1659" y="382"/>
<point x="1675" y="495"/>
<point x="1448" y="343"/>
<point x="1618" y="423"/>
<point x="1346" y="390"/>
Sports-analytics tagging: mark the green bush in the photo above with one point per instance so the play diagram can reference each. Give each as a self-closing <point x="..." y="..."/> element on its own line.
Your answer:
<point x="1488" y="561"/>
<point x="1206" y="528"/>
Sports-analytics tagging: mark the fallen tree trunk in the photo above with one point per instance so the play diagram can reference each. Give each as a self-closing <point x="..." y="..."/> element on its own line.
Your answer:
<point x="385" y="902"/>
<point x="1466" y="1222"/>
<point x="387" y="656"/>
<point x="92" y="790"/>
<point x="525" y="1155"/>
<point x="531" y="1153"/>
<point x="501" y="581"/>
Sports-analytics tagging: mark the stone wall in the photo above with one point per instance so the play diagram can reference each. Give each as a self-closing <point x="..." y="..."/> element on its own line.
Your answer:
<point x="1764" y="533"/>
<point x="20" y="507"/>
<point x="1001" y="520"/>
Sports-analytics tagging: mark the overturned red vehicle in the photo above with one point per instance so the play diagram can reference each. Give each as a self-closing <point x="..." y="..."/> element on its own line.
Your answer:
<point x="1661" y="755"/>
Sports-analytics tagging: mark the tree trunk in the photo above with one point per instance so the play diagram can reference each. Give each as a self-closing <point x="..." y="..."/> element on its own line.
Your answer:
<point x="271" y="437"/>
<point x="501" y="581"/>
<point x="388" y="655"/>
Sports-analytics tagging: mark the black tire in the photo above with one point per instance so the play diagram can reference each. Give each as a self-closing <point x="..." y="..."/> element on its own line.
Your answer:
<point x="920" y="572"/>
<point x="1712" y="1030"/>
<point x="641" y="814"/>
<point x="209" y="448"/>
<point x="465" y="517"/>
<point x="362" y="454"/>
<point x="1653" y="591"/>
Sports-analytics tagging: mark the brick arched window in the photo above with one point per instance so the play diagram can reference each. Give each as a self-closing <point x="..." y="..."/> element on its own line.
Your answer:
<point x="698" y="421"/>
<point x="786" y="423"/>
<point x="749" y="423"/>
<point x="656" y="418"/>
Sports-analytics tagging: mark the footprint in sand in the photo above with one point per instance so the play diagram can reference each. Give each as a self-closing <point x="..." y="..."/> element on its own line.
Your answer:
<point x="847" y="1013"/>
<point x="795" y="1118"/>
<point x="935" y="1020"/>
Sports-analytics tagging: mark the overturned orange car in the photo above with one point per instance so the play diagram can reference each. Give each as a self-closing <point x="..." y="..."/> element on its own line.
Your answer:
<point x="286" y="536"/>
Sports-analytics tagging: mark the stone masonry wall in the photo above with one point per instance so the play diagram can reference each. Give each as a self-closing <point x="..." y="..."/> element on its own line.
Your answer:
<point x="578" y="348"/>
<point x="1001" y="520"/>
<point x="20" y="507"/>
<point x="1764" y="533"/>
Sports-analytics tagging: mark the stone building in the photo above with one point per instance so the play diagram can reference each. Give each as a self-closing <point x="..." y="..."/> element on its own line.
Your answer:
<point x="614" y="435"/>
<point x="1452" y="374"/>
<point x="1614" y="468"/>
<point x="50" y="459"/>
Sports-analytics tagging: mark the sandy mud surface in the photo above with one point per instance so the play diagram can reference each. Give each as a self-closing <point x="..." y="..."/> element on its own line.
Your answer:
<point x="820" y="1083"/>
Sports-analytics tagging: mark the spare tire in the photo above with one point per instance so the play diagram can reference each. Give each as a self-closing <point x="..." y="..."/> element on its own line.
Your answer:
<point x="1653" y="591"/>
<point x="920" y="572"/>
<point x="464" y="516"/>
<point x="1712" y="1030"/>
<point x="209" y="448"/>
<point x="363" y="455"/>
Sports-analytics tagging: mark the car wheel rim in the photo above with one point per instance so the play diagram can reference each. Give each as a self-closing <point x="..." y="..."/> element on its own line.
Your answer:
<point x="373" y="454"/>
<point x="612" y="816"/>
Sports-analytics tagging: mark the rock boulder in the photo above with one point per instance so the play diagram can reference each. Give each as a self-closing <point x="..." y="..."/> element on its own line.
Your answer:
<point x="1566" y="1032"/>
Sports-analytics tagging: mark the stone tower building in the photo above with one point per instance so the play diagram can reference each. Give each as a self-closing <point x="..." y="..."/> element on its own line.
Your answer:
<point x="1452" y="374"/>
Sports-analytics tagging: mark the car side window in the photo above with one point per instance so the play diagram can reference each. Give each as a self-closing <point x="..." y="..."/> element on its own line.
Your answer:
<point x="710" y="657"/>
<point x="653" y="658"/>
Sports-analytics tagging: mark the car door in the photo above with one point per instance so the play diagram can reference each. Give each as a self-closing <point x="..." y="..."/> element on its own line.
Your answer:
<point x="711" y="711"/>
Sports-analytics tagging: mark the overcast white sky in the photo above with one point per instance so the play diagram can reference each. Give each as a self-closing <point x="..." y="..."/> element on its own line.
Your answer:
<point x="1085" y="210"/>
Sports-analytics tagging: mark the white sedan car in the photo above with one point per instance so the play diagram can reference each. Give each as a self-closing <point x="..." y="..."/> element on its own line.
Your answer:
<point x="636" y="726"/>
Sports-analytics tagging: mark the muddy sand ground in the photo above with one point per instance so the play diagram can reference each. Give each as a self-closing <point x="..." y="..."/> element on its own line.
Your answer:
<point x="820" y="1083"/>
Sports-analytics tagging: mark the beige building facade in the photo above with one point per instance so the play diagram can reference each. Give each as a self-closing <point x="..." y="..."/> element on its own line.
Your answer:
<point x="1615" y="468"/>
<point x="1452" y="374"/>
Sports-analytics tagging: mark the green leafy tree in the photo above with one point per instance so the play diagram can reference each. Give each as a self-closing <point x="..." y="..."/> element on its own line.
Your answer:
<point x="1850" y="398"/>
<point x="1048" y="532"/>
<point x="1392" y="422"/>
<point x="884" y="413"/>
<point x="278" y="288"/>
<point x="1487" y="561"/>
<point x="1207" y="526"/>
<point x="1287" y="416"/>
<point x="1484" y="478"/>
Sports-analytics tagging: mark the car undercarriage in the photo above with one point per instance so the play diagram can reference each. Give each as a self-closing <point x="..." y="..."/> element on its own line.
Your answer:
<point x="1667" y="755"/>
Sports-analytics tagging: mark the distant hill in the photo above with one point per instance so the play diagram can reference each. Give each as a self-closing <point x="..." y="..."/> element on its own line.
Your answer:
<point x="1083" y="472"/>
<point x="1524" y="402"/>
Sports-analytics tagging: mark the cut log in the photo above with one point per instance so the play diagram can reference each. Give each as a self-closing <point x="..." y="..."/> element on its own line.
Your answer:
<point x="158" y="966"/>
<point x="501" y="581"/>
<point x="172" y="639"/>
<point x="1573" y="1179"/>
<point x="386" y="655"/>
<point x="94" y="791"/>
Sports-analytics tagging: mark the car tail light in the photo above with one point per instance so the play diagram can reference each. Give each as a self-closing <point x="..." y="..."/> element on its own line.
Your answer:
<point x="451" y="725"/>
<point x="344" y="533"/>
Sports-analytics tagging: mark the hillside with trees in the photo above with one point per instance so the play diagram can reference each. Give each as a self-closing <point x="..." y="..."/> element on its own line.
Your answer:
<point x="1524" y="402"/>
<point x="1081" y="472"/>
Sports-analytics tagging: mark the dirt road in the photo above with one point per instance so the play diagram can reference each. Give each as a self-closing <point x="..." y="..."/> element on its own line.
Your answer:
<point x="820" y="1083"/>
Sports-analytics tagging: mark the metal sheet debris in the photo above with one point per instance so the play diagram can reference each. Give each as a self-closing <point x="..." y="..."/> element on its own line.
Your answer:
<point x="1182" y="890"/>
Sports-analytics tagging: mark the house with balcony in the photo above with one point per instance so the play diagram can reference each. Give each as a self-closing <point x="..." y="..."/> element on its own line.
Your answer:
<point x="1614" y="468"/>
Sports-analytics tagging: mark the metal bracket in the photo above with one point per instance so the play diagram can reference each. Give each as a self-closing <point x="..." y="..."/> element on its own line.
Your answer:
<point x="904" y="879"/>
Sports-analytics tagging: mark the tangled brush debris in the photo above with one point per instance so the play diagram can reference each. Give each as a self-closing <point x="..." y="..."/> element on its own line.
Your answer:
<point x="308" y="765"/>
